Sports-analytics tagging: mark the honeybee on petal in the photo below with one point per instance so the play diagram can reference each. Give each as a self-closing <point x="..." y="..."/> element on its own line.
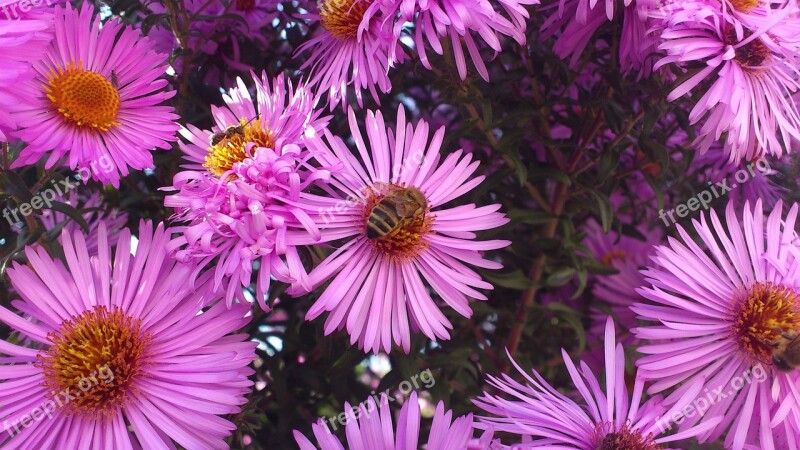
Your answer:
<point x="786" y="351"/>
<point x="400" y="207"/>
<point x="229" y="132"/>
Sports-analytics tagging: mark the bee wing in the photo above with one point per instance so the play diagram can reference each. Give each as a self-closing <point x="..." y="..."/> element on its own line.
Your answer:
<point x="401" y="208"/>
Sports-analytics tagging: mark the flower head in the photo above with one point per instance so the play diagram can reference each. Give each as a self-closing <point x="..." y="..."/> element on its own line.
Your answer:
<point x="370" y="427"/>
<point x="241" y="193"/>
<point x="353" y="45"/>
<point x="119" y="341"/>
<point x="23" y="39"/>
<point x="720" y="311"/>
<point x="607" y="419"/>
<point x="464" y="23"/>
<point x="94" y="97"/>
<point x="399" y="239"/>
<point x="753" y="56"/>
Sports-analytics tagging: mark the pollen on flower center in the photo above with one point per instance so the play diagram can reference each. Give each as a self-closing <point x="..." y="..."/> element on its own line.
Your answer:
<point x="612" y="256"/>
<point x="750" y="56"/>
<point x="85" y="98"/>
<point x="399" y="238"/>
<point x="232" y="145"/>
<point x="342" y="17"/>
<point x="96" y="358"/>
<point x="605" y="438"/>
<point x="763" y="313"/>
<point x="744" y="6"/>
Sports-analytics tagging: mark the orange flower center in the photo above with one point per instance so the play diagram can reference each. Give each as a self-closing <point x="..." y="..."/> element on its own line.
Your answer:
<point x="764" y="313"/>
<point x="94" y="361"/>
<point x="84" y="98"/>
<point x="744" y="6"/>
<point x="612" y="256"/>
<point x="343" y="17"/>
<point x="231" y="145"/>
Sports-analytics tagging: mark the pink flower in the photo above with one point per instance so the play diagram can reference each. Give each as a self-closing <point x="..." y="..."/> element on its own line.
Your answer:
<point x="241" y="195"/>
<point x="607" y="418"/>
<point x="117" y="341"/>
<point x="369" y="426"/>
<point x="352" y="46"/>
<point x="23" y="39"/>
<point x="749" y="64"/>
<point x="382" y="273"/>
<point x="715" y="312"/>
<point x="627" y="255"/>
<point x="94" y="96"/>
<point x="461" y="22"/>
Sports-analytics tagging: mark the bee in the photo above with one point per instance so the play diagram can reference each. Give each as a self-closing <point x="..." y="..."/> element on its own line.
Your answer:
<point x="229" y="132"/>
<point x="786" y="351"/>
<point x="400" y="207"/>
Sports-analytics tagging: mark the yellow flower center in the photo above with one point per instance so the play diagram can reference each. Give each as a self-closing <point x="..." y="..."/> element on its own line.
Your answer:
<point x="85" y="98"/>
<point x="231" y="145"/>
<point x="764" y="313"/>
<point x="744" y="6"/>
<point x="404" y="238"/>
<point x="612" y="256"/>
<point x="94" y="361"/>
<point x="343" y="17"/>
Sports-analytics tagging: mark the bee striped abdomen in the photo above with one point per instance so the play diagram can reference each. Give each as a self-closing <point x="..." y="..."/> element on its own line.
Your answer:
<point x="383" y="219"/>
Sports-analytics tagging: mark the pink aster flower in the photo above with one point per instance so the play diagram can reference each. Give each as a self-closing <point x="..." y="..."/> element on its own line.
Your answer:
<point x="116" y="343"/>
<point x="353" y="45"/>
<point x="216" y="29"/>
<point x="608" y="417"/>
<point x="241" y="192"/>
<point x="94" y="96"/>
<point x="369" y="426"/>
<point x="718" y="312"/>
<point x="749" y="66"/>
<point x="400" y="243"/>
<point x="23" y="39"/>
<point x="627" y="255"/>
<point x="461" y="22"/>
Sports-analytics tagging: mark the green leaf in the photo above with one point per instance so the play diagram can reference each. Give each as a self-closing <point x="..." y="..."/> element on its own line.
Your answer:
<point x="560" y="277"/>
<point x="513" y="280"/>
<point x="572" y="317"/>
<point x="71" y="212"/>
<point x="16" y="186"/>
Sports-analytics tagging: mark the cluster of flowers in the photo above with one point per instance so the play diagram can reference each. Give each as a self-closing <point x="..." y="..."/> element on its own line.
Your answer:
<point x="260" y="186"/>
